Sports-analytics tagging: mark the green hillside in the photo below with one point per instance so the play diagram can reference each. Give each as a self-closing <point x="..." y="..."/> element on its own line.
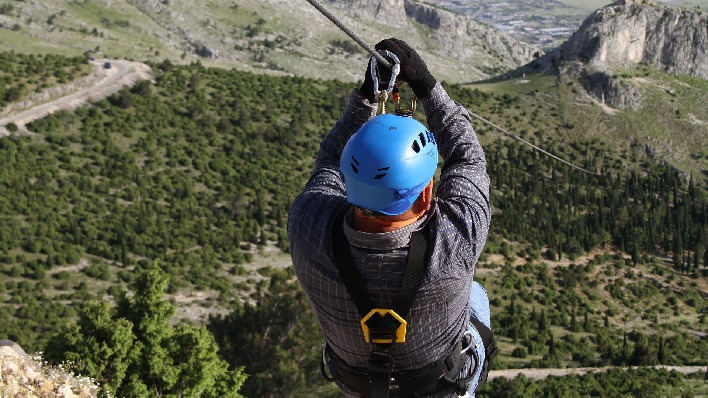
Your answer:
<point x="198" y="170"/>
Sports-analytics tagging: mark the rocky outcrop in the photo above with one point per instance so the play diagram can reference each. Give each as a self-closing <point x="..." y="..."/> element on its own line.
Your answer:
<point x="206" y="52"/>
<point x="28" y="377"/>
<point x="626" y="34"/>
<point x="475" y="47"/>
<point x="456" y="48"/>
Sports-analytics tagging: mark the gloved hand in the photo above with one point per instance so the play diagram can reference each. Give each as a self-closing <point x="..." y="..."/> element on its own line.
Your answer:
<point x="413" y="70"/>
<point x="384" y="74"/>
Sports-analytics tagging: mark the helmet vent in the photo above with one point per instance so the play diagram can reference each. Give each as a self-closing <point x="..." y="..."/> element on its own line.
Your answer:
<point x="380" y="176"/>
<point x="422" y="139"/>
<point x="354" y="167"/>
<point x="415" y="146"/>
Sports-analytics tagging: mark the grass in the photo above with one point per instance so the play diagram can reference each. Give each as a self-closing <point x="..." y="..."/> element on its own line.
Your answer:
<point x="670" y="125"/>
<point x="126" y="32"/>
<point x="587" y="6"/>
<point x="19" y="42"/>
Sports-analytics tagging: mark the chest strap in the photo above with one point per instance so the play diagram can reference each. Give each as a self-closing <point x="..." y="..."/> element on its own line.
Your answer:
<point x="382" y="328"/>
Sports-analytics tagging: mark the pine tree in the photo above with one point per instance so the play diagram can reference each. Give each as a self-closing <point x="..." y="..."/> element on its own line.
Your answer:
<point x="99" y="345"/>
<point x="133" y="351"/>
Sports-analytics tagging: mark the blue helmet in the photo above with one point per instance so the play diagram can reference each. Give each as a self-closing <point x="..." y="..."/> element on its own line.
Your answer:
<point x="388" y="162"/>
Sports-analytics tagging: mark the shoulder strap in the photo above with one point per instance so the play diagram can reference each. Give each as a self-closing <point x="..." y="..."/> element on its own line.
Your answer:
<point x="415" y="270"/>
<point x="347" y="270"/>
<point x="380" y="365"/>
<point x="412" y="279"/>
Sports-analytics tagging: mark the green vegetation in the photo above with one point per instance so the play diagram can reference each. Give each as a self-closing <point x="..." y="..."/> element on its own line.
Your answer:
<point x="132" y="351"/>
<point x="568" y="316"/>
<point x="21" y="75"/>
<point x="278" y="341"/>
<point x="198" y="171"/>
<point x="668" y="128"/>
<point x="615" y="383"/>
<point x="199" y="179"/>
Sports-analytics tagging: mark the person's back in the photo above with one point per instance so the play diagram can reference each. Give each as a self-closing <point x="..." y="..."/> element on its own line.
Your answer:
<point x="331" y="221"/>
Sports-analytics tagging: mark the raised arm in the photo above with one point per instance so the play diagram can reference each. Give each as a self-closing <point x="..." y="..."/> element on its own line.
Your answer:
<point x="463" y="190"/>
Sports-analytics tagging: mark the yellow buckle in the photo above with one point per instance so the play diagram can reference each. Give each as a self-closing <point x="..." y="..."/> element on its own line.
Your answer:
<point x="400" y="332"/>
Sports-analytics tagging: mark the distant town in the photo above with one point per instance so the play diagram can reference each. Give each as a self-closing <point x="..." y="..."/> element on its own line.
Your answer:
<point x="545" y="23"/>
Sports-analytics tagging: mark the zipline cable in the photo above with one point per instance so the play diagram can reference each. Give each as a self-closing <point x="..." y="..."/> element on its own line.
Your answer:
<point x="545" y="152"/>
<point x="322" y="9"/>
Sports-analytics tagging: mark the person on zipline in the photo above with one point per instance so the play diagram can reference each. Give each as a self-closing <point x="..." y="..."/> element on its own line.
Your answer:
<point x="388" y="266"/>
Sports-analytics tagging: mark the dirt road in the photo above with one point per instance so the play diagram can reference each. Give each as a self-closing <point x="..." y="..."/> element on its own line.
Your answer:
<point x="101" y="83"/>
<point x="539" y="374"/>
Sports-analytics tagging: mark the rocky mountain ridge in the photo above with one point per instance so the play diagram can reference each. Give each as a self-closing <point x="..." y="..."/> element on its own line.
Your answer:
<point x="628" y="34"/>
<point x="268" y="36"/>
<point x="448" y="35"/>
<point x="306" y="49"/>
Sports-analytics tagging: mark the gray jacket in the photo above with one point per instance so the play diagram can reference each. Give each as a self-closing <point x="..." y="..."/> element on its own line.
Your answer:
<point x="458" y="222"/>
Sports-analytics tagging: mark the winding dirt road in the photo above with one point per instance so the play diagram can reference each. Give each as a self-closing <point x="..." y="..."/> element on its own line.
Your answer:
<point x="101" y="83"/>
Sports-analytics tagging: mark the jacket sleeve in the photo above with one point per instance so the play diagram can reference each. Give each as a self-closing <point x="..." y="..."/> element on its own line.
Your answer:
<point x="463" y="189"/>
<point x="324" y="194"/>
<point x="326" y="177"/>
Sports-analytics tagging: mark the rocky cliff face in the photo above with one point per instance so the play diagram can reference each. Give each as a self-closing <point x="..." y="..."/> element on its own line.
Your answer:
<point x="626" y="34"/>
<point x="456" y="48"/>
<point x="630" y="32"/>
<point x="456" y="40"/>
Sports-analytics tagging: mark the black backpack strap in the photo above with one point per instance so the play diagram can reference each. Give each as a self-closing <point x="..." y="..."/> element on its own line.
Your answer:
<point x="415" y="270"/>
<point x="354" y="282"/>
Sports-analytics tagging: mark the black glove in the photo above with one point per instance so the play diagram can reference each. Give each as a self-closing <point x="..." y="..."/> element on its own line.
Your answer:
<point x="413" y="69"/>
<point x="384" y="74"/>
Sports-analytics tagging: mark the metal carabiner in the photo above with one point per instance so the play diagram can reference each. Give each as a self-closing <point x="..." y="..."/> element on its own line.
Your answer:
<point x="383" y="95"/>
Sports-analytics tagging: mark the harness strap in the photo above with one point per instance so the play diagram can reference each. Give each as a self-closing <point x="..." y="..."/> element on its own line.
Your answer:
<point x="382" y="331"/>
<point x="353" y="281"/>
<point x="408" y="383"/>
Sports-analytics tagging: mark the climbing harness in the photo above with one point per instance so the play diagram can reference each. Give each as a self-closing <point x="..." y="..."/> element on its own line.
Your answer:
<point x="382" y="328"/>
<point x="385" y="328"/>
<point x="322" y="9"/>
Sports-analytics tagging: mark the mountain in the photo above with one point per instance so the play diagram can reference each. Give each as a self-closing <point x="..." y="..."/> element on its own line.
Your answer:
<point x="629" y="34"/>
<point x="198" y="167"/>
<point x="272" y="36"/>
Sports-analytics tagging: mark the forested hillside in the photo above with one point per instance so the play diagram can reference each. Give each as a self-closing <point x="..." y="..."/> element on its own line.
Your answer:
<point x="24" y="75"/>
<point x="198" y="170"/>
